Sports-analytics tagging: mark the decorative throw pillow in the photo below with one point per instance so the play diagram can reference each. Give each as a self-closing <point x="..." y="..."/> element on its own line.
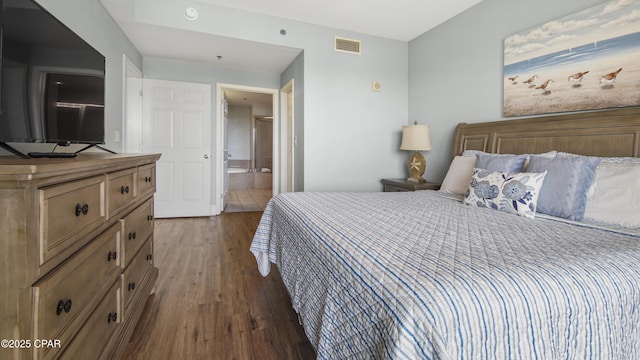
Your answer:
<point x="498" y="162"/>
<point x="458" y="176"/>
<point x="548" y="154"/>
<point x="515" y="193"/>
<point x="564" y="192"/>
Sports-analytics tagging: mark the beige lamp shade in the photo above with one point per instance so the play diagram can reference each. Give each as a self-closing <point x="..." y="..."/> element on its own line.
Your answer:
<point x="415" y="137"/>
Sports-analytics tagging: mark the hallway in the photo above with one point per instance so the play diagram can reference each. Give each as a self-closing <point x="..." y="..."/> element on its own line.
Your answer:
<point x="243" y="200"/>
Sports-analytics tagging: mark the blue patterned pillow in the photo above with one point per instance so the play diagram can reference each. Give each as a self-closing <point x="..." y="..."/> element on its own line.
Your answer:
<point x="515" y="193"/>
<point x="564" y="193"/>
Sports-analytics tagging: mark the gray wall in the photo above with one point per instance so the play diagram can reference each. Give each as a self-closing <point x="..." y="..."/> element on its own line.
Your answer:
<point x="204" y="73"/>
<point x="351" y="134"/>
<point x="239" y="132"/>
<point x="456" y="69"/>
<point x="90" y="20"/>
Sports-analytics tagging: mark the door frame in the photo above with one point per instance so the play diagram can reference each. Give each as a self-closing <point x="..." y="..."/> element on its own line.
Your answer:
<point x="288" y="135"/>
<point x="219" y="165"/>
<point x="131" y="137"/>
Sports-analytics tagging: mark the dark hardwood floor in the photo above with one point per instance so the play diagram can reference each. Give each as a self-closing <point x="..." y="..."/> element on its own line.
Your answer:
<point x="210" y="302"/>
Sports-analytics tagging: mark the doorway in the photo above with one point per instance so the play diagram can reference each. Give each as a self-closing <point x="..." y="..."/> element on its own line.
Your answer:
<point x="248" y="123"/>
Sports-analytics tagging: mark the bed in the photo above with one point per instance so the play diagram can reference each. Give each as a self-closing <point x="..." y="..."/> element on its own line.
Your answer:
<point x="470" y="272"/>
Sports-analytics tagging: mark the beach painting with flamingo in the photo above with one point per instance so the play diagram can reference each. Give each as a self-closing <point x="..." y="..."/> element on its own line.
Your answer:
<point x="584" y="61"/>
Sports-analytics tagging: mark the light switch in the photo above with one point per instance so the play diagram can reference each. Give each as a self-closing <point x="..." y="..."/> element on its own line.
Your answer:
<point x="116" y="136"/>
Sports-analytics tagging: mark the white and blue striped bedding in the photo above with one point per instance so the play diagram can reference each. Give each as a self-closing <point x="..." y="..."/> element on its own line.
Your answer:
<point x="416" y="275"/>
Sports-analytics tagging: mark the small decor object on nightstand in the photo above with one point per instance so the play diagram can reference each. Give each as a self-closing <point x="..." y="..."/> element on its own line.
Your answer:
<point x="416" y="138"/>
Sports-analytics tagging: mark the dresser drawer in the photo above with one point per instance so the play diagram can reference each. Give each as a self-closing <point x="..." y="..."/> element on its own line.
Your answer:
<point x="137" y="226"/>
<point x="136" y="273"/>
<point x="90" y="341"/>
<point x="391" y="188"/>
<point x="65" y="297"/>
<point x="68" y="212"/>
<point x="396" y="185"/>
<point x="146" y="180"/>
<point x="120" y="190"/>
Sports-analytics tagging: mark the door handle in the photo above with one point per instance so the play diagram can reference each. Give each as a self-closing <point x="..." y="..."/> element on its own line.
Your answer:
<point x="206" y="156"/>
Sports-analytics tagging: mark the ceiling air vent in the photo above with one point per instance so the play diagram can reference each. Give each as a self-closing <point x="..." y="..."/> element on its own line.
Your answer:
<point x="347" y="45"/>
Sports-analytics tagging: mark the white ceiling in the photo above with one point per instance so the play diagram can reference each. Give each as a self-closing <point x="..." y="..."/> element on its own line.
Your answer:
<point x="399" y="19"/>
<point x="173" y="43"/>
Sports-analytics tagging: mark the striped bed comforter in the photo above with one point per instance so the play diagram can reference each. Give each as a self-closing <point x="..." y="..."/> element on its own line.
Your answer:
<point x="417" y="275"/>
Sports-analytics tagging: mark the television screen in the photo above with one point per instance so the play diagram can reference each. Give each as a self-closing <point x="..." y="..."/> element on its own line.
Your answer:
<point x="52" y="80"/>
<point x="74" y="107"/>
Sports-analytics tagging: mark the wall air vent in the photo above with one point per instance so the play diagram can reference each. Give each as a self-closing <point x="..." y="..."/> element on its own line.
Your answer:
<point x="348" y="45"/>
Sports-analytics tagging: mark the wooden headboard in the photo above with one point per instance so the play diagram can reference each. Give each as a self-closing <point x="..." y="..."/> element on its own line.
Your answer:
<point x="600" y="133"/>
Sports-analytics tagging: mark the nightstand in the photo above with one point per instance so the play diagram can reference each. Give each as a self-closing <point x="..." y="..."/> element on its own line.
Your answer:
<point x="391" y="185"/>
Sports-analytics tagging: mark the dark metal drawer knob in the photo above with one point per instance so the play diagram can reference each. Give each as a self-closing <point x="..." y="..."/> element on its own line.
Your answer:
<point x="63" y="306"/>
<point x="112" y="317"/>
<point x="112" y="255"/>
<point x="82" y="209"/>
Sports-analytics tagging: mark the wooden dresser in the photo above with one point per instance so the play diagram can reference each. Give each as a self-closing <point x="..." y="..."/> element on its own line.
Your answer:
<point x="76" y="255"/>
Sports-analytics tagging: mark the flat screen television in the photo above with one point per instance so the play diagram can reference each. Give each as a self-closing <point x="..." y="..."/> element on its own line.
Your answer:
<point x="52" y="80"/>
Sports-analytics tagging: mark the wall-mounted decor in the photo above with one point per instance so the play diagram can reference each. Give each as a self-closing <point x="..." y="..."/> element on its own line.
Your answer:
<point x="587" y="60"/>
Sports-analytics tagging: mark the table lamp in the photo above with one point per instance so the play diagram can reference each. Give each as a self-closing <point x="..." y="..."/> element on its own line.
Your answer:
<point x="416" y="138"/>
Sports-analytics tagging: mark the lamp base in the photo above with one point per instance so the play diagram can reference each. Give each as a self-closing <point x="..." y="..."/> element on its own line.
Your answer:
<point x="417" y="164"/>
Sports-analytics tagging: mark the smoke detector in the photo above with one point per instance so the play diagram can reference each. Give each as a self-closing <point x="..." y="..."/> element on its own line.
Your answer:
<point x="191" y="13"/>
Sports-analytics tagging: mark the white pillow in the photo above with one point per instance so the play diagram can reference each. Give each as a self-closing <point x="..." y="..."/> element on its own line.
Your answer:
<point x="614" y="195"/>
<point x="459" y="175"/>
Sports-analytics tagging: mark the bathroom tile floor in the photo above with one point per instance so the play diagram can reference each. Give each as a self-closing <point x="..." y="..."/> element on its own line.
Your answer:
<point x="247" y="200"/>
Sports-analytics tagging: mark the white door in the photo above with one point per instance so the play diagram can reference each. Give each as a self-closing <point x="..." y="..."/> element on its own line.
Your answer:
<point x="177" y="124"/>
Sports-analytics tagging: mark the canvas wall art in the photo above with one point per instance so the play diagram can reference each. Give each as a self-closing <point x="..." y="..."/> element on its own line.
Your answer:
<point x="587" y="60"/>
